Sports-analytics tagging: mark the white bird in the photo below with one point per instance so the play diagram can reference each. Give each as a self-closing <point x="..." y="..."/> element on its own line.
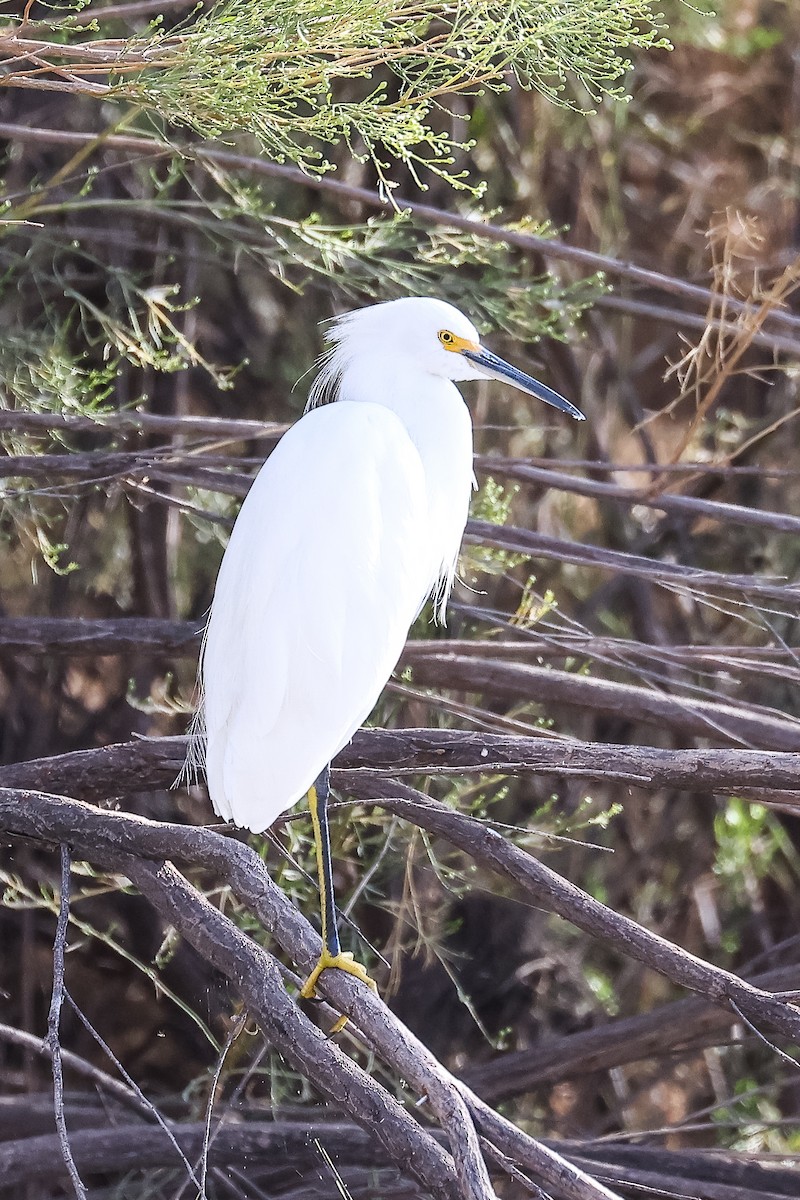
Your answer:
<point x="352" y="523"/>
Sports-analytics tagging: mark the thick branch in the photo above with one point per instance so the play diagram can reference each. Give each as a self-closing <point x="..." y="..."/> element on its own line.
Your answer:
<point x="747" y="724"/>
<point x="558" y="895"/>
<point x="112" y="838"/>
<point x="150" y="763"/>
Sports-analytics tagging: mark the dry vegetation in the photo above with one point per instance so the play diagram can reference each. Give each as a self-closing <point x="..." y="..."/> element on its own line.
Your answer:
<point x="615" y="692"/>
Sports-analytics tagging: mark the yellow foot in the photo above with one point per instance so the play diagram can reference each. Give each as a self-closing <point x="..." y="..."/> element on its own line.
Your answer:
<point x="343" y="961"/>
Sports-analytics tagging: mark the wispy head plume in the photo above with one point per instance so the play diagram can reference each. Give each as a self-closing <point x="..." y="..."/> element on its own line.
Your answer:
<point x="332" y="363"/>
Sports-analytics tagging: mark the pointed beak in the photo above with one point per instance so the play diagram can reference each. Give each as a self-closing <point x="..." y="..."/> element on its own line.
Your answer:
<point x="498" y="368"/>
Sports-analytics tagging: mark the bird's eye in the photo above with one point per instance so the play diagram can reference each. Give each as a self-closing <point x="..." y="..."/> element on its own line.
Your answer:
<point x="447" y="338"/>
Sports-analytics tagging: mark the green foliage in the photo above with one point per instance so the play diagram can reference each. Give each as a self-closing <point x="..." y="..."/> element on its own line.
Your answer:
<point x="302" y="77"/>
<point x="41" y="373"/>
<point x="751" y="844"/>
<point x="493" y="504"/>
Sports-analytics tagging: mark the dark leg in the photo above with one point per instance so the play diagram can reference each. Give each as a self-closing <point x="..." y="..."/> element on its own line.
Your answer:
<point x="318" y="803"/>
<point x="332" y="955"/>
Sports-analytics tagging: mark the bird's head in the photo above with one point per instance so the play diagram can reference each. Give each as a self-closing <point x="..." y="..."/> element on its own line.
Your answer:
<point x="424" y="334"/>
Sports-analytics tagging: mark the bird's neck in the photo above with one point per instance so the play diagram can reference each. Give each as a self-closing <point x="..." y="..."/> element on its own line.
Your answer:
<point x="431" y="409"/>
<point x="438" y="423"/>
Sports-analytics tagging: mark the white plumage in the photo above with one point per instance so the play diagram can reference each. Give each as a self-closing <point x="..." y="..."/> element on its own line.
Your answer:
<point x="354" y="520"/>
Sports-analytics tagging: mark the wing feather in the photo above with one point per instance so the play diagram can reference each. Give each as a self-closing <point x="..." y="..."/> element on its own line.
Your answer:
<point x="324" y="573"/>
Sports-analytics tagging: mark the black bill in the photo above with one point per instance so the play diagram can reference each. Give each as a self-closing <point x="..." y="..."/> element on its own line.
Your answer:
<point x="498" y="368"/>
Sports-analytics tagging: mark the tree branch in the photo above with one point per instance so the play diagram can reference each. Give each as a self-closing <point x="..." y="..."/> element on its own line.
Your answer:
<point x="150" y="763"/>
<point x="112" y="839"/>
<point x="557" y="895"/>
<point x="748" y="724"/>
<point x="683" y="1026"/>
<point x="100" y="835"/>
<point x="119" y="1091"/>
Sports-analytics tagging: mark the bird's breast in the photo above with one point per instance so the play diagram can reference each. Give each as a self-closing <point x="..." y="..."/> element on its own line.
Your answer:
<point x="437" y="421"/>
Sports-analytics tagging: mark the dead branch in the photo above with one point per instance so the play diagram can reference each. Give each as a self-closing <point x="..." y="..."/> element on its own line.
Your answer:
<point x="89" y="635"/>
<point x="667" y="574"/>
<point x="48" y="635"/>
<point x="218" y="428"/>
<point x="128" y="767"/>
<point x="680" y="1027"/>
<point x="198" y="470"/>
<point x="267" y="1146"/>
<point x="691" y="506"/>
<point x="112" y="840"/>
<point x="747" y="724"/>
<point x="557" y="895"/>
<point x="136" y="1147"/>
<point x="255" y="976"/>
<point x="99" y="835"/>
<point x="113" y="1087"/>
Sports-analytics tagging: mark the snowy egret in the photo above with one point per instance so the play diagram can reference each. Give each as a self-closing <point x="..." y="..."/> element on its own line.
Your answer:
<point x="352" y="523"/>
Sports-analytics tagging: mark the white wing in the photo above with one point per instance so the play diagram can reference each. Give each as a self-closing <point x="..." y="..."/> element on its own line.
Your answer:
<point x="327" y="566"/>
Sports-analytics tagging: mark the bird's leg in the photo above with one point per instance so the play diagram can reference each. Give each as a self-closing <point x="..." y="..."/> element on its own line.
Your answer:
<point x="332" y="955"/>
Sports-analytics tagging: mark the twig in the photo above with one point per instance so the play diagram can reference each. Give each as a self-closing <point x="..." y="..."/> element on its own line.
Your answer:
<point x="237" y="1025"/>
<point x="268" y="1145"/>
<point x="54" y="1021"/>
<point x="138" y="1147"/>
<point x="787" y="1058"/>
<point x="124" y="12"/>
<point x="146" y="1105"/>
<point x="113" y="1087"/>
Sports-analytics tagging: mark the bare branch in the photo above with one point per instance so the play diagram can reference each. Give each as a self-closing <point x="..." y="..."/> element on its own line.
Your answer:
<point x="557" y="895"/>
<point x="150" y="763"/>
<point x="103" y="836"/>
<point x="217" y="428"/>
<point x="681" y="1027"/>
<point x="667" y="574"/>
<point x="119" y="1091"/>
<point x="748" y="724"/>
<point x="691" y="506"/>
<point x="112" y="839"/>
